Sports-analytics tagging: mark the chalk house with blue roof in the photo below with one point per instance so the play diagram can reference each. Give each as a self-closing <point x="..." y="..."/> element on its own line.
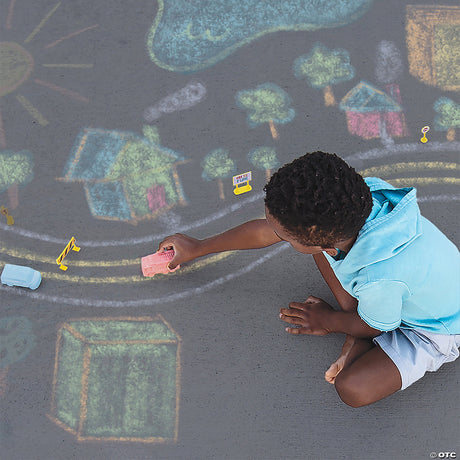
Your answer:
<point x="126" y="177"/>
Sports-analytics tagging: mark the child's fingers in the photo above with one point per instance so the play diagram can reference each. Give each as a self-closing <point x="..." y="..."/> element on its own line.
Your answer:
<point x="313" y="299"/>
<point x="172" y="263"/>
<point x="165" y="245"/>
<point x="292" y="312"/>
<point x="292" y="319"/>
<point x="176" y="260"/>
<point x="297" y="330"/>
<point x="298" y="306"/>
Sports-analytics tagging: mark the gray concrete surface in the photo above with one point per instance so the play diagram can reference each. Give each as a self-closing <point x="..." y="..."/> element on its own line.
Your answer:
<point x="247" y="390"/>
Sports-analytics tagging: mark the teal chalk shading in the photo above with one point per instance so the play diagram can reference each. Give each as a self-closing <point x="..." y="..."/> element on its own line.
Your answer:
<point x="108" y="200"/>
<point x="192" y="35"/>
<point x="16" y="339"/>
<point x="15" y="168"/>
<point x="68" y="389"/>
<point x="447" y="114"/>
<point x="118" y="168"/>
<point x="131" y="391"/>
<point x="95" y="151"/>
<point x="365" y="97"/>
<point x="117" y="379"/>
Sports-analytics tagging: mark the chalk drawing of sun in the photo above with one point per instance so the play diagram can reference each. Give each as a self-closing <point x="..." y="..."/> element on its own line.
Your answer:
<point x="17" y="67"/>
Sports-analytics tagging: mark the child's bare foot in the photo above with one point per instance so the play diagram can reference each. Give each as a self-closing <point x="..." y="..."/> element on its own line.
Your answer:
<point x="338" y="365"/>
<point x="352" y="349"/>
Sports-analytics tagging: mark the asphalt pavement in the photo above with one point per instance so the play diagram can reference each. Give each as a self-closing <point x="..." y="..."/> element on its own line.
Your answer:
<point x="122" y="122"/>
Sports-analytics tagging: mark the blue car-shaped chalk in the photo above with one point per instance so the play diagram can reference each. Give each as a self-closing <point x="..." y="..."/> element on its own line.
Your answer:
<point x="17" y="275"/>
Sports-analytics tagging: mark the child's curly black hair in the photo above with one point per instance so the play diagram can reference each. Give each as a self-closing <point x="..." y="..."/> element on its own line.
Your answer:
<point x="319" y="199"/>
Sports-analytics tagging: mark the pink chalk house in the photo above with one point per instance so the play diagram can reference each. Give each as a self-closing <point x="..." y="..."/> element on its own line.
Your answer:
<point x="371" y="111"/>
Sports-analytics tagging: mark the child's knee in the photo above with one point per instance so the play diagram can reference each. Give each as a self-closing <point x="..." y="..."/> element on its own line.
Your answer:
<point x="350" y="390"/>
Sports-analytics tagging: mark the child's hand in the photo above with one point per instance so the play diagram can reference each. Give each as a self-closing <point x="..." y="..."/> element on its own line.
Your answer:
<point x="312" y="316"/>
<point x="185" y="248"/>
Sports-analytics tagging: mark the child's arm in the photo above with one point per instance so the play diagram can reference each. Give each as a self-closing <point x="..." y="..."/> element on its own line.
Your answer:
<point x="344" y="299"/>
<point x="351" y="323"/>
<point x="250" y="235"/>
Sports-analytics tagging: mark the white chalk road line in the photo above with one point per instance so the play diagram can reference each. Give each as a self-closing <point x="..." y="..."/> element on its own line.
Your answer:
<point x="370" y="154"/>
<point x="396" y="149"/>
<point x="133" y="241"/>
<point x="87" y="302"/>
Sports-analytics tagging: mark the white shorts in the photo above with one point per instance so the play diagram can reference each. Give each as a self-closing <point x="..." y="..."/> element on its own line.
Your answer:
<point x="415" y="352"/>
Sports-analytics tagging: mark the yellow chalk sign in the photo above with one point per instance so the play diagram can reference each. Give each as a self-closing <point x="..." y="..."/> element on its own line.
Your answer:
<point x="70" y="246"/>
<point x="242" y="179"/>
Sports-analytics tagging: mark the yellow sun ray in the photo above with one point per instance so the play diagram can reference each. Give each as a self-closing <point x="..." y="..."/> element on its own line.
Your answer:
<point x="17" y="64"/>
<point x="70" y="66"/>
<point x="42" y="23"/>
<point x="33" y="111"/>
<point x="63" y="91"/>
<point x="73" y="34"/>
<point x="2" y="133"/>
<point x="9" y="18"/>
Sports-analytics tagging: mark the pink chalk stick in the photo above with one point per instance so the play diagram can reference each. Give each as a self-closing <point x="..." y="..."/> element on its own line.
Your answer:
<point x="157" y="263"/>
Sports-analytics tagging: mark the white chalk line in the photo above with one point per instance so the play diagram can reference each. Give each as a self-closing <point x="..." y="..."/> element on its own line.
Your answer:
<point x="183" y="228"/>
<point x="194" y="291"/>
<point x="80" y="302"/>
<point x="404" y="148"/>
<point x="424" y="199"/>
<point x="370" y="154"/>
<point x="133" y="241"/>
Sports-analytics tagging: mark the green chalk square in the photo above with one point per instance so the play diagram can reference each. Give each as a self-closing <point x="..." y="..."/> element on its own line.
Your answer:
<point x="118" y="379"/>
<point x="446" y="63"/>
<point x="68" y="382"/>
<point x="131" y="391"/>
<point x="121" y="330"/>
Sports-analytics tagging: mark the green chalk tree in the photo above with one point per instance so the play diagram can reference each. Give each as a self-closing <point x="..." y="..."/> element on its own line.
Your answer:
<point x="322" y="68"/>
<point x="447" y="116"/>
<point x="151" y="133"/>
<point x="267" y="103"/>
<point x="16" y="341"/>
<point x="264" y="158"/>
<point x="216" y="166"/>
<point x="16" y="168"/>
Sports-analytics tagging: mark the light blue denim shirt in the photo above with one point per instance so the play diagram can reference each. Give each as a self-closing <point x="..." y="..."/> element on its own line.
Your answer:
<point x="402" y="269"/>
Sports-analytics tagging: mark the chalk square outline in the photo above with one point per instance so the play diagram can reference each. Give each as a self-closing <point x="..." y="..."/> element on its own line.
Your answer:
<point x="84" y="392"/>
<point x="421" y="21"/>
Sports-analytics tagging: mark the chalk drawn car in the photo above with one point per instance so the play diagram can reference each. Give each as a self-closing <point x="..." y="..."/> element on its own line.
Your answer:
<point x="18" y="275"/>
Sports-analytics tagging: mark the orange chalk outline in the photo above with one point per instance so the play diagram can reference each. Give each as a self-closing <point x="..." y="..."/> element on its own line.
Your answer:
<point x="85" y="375"/>
<point x="421" y="21"/>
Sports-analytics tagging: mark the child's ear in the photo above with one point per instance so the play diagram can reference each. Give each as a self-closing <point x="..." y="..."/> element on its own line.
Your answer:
<point x="331" y="251"/>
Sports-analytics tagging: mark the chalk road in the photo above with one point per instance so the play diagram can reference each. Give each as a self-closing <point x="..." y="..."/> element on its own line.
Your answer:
<point x="96" y="302"/>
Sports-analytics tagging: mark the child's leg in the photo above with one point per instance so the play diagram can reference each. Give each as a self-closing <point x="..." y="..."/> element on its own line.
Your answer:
<point x="352" y="349"/>
<point x="371" y="377"/>
<point x="363" y="373"/>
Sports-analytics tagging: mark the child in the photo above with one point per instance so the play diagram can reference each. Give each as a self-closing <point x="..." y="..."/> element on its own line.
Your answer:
<point x="393" y="273"/>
